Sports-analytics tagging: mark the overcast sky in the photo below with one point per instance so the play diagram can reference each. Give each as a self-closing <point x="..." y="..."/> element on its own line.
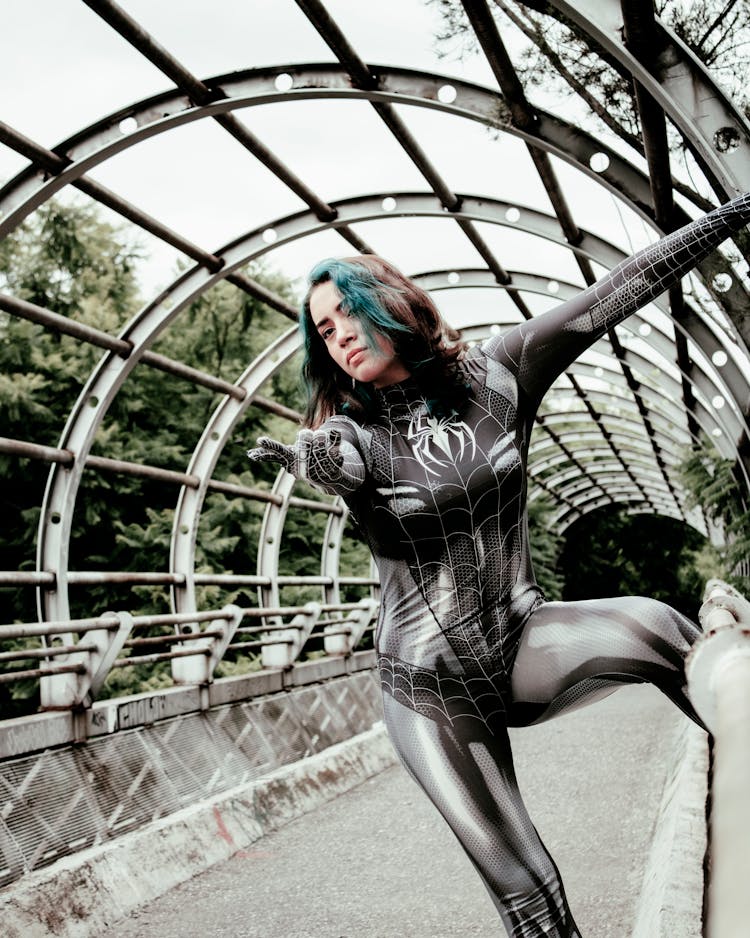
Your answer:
<point x="63" y="68"/>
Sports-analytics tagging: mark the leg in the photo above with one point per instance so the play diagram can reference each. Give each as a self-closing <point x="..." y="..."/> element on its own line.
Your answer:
<point x="467" y="772"/>
<point x="573" y="653"/>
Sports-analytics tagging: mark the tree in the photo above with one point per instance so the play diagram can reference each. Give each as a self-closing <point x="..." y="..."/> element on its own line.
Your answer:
<point x="545" y="547"/>
<point x="712" y="484"/>
<point x="608" y="552"/>
<point x="556" y="56"/>
<point x="68" y="259"/>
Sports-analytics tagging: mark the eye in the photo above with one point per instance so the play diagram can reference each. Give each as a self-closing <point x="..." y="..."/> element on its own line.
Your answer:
<point x="326" y="333"/>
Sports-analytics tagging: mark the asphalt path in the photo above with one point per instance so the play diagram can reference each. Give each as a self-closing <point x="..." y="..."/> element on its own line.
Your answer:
<point x="379" y="862"/>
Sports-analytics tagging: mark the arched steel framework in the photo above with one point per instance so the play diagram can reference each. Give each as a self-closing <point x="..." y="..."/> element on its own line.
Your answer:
<point x="614" y="428"/>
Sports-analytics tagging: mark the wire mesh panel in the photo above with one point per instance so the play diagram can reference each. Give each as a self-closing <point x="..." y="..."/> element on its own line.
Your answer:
<point x="49" y="806"/>
<point x="129" y="781"/>
<point x="198" y="760"/>
<point x="63" y="800"/>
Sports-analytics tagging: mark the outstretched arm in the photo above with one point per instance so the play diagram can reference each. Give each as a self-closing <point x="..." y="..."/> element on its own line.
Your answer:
<point x="542" y="348"/>
<point x="329" y="457"/>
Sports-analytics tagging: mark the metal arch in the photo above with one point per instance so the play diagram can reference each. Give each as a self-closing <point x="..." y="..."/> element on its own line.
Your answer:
<point x="203" y="461"/>
<point x="593" y="441"/>
<point x="103" y="139"/>
<point x="573" y="472"/>
<point x="330" y="555"/>
<point x="562" y="519"/>
<point x="659" y="402"/>
<point x="627" y="419"/>
<point x="541" y="466"/>
<point x="162" y="112"/>
<point x="695" y="104"/>
<point x="105" y="381"/>
<point x="727" y="380"/>
<point x="732" y="423"/>
<point x="633" y="468"/>
<point x="269" y="542"/>
<point x="705" y="418"/>
<point x="709" y="420"/>
<point x="613" y="485"/>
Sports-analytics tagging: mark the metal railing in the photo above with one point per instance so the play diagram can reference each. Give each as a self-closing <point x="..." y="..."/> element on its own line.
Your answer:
<point x="718" y="672"/>
<point x="74" y="673"/>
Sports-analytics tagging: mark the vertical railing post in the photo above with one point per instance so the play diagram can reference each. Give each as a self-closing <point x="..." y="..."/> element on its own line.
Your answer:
<point x="199" y="669"/>
<point x="100" y="647"/>
<point x="282" y="647"/>
<point x="343" y="639"/>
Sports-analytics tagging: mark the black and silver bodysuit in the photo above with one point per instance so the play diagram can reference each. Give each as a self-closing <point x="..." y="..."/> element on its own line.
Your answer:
<point x="466" y="643"/>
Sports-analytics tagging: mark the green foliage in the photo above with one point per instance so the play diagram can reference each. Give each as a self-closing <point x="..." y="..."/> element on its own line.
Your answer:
<point x="68" y="260"/>
<point x="713" y="486"/>
<point x="611" y="553"/>
<point x="545" y="547"/>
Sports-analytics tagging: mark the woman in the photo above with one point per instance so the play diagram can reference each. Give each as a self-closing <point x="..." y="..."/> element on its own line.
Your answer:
<point x="427" y="442"/>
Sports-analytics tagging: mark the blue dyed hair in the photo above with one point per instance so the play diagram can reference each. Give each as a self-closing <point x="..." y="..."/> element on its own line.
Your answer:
<point x="362" y="295"/>
<point x="386" y="303"/>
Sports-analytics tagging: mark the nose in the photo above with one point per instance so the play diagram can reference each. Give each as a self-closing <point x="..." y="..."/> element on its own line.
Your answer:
<point x="347" y="331"/>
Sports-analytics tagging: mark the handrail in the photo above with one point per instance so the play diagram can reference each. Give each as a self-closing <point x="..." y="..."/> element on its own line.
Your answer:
<point x="718" y="672"/>
<point x="109" y="641"/>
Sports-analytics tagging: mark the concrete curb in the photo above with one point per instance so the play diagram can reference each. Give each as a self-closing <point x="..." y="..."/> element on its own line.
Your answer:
<point x="671" y="900"/>
<point x="82" y="895"/>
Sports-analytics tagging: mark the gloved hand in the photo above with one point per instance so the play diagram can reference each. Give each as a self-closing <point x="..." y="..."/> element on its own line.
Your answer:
<point x="321" y="457"/>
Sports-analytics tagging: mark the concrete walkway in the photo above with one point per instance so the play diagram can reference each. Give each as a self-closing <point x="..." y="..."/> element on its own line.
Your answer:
<point x="378" y="862"/>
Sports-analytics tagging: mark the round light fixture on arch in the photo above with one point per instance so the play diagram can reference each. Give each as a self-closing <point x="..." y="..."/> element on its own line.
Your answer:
<point x="717" y="401"/>
<point x="127" y="125"/>
<point x="722" y="282"/>
<point x="284" y="82"/>
<point x="599" y="162"/>
<point x="454" y="278"/>
<point x="388" y="204"/>
<point x="719" y="358"/>
<point x="269" y="235"/>
<point x="727" y="139"/>
<point x="447" y="94"/>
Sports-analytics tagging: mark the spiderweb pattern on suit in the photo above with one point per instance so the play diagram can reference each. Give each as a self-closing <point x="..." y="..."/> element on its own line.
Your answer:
<point x="452" y="510"/>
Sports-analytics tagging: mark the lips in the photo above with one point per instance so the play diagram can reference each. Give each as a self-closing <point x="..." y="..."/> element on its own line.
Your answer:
<point x="353" y="354"/>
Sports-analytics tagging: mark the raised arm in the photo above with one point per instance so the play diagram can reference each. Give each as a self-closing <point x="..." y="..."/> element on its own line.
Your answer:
<point x="329" y="458"/>
<point x="543" y="347"/>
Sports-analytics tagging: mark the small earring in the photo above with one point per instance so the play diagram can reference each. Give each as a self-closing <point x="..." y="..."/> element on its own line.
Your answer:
<point x="354" y="384"/>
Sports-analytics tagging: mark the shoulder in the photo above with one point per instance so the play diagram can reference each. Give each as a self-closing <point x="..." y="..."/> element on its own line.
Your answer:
<point x="490" y="367"/>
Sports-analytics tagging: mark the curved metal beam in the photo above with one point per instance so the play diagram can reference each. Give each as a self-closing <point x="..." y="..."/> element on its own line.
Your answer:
<point x="92" y="405"/>
<point x="682" y="87"/>
<point x="244" y="89"/>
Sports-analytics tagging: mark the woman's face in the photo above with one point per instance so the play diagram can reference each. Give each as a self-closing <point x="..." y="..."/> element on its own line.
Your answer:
<point x="346" y="343"/>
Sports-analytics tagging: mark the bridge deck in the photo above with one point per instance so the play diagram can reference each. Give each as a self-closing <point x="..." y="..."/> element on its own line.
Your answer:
<point x="379" y="863"/>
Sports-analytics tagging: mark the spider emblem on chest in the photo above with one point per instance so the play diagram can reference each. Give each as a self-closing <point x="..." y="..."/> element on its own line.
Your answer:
<point x="439" y="441"/>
